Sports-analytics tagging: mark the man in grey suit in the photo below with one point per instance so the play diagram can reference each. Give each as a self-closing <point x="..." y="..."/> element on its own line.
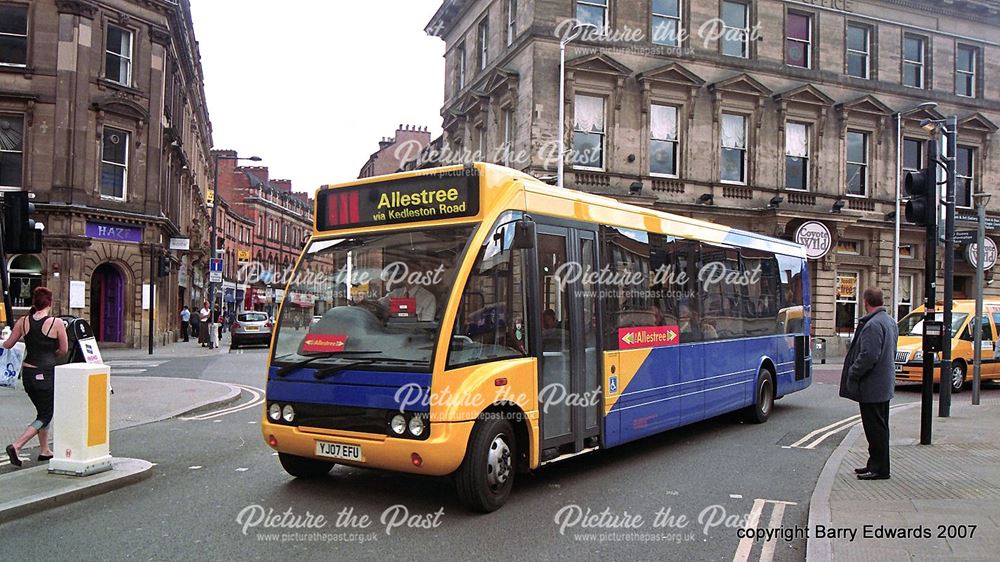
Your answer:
<point x="869" y="378"/>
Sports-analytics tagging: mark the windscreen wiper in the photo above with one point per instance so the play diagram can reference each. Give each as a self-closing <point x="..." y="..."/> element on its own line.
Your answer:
<point x="327" y="372"/>
<point x="295" y="365"/>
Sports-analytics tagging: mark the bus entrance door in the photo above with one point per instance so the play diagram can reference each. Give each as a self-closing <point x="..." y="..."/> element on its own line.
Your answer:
<point x="568" y="389"/>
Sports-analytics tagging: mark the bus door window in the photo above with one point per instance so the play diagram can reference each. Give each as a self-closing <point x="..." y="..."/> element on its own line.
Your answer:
<point x="588" y="292"/>
<point x="490" y="324"/>
<point x="556" y="357"/>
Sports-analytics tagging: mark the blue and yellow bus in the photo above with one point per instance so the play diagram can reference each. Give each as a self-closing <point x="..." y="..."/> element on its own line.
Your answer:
<point x="478" y="322"/>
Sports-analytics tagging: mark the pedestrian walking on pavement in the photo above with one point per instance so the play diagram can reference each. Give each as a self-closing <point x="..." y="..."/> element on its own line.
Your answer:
<point x="203" y="318"/>
<point x="45" y="342"/>
<point x="869" y="378"/>
<point x="186" y="322"/>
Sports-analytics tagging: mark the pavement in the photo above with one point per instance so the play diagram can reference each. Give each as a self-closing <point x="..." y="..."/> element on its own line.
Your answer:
<point x="943" y="498"/>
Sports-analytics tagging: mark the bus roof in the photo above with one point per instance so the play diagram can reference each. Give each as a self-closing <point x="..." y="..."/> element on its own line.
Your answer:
<point x="596" y="208"/>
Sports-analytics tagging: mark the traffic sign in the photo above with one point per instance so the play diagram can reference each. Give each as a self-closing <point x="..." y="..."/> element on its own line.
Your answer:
<point x="215" y="270"/>
<point x="965" y="236"/>
<point x="243" y="255"/>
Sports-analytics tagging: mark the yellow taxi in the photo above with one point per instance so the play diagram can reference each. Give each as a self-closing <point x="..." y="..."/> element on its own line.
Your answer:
<point x="909" y="354"/>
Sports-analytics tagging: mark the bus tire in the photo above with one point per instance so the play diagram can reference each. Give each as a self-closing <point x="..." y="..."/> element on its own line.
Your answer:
<point x="302" y="467"/>
<point x="486" y="476"/>
<point x="763" y="401"/>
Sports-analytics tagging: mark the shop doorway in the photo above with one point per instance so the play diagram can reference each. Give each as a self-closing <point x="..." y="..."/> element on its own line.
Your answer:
<point x="107" y="303"/>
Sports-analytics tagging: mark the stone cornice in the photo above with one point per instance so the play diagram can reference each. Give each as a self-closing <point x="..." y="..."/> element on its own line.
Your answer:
<point x="77" y="7"/>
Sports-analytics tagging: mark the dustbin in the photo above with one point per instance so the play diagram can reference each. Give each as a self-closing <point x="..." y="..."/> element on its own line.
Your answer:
<point x="819" y="350"/>
<point x="78" y="330"/>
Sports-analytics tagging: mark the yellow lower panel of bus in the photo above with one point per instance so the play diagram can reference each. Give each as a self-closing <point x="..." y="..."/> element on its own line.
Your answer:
<point x="440" y="454"/>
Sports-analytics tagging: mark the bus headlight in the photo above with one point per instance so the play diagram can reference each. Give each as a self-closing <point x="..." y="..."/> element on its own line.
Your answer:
<point x="416" y="426"/>
<point x="288" y="413"/>
<point x="398" y="424"/>
<point x="274" y="412"/>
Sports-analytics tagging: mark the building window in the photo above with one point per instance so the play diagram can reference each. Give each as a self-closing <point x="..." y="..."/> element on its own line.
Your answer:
<point x="733" y="139"/>
<point x="905" y="303"/>
<point x="588" y="132"/>
<point x="966" y="60"/>
<point x="25" y="273"/>
<point x="511" y="21"/>
<point x="507" y="124"/>
<point x="914" y="54"/>
<point x="736" y="29"/>
<point x="483" y="43"/>
<point x="663" y="140"/>
<point x="913" y="155"/>
<point x="481" y="142"/>
<point x="592" y="12"/>
<point x="118" y="56"/>
<point x="798" y="40"/>
<point x="11" y="151"/>
<point x="906" y="251"/>
<point x="14" y="35"/>
<point x="666" y="22"/>
<point x="858" y="51"/>
<point x="797" y="156"/>
<point x="849" y="247"/>
<point x="114" y="163"/>
<point x="462" y="63"/>
<point x="847" y="303"/>
<point x="857" y="163"/>
<point x="964" y="168"/>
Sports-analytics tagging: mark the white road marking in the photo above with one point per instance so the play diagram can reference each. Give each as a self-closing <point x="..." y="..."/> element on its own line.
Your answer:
<point x="832" y="429"/>
<point x="753" y="519"/>
<point x="767" y="551"/>
<point x="134" y="363"/>
<point x="257" y="398"/>
<point x="736" y="496"/>
<point x="746" y="543"/>
<point x="242" y="469"/>
<point x="127" y="371"/>
<point x="195" y="467"/>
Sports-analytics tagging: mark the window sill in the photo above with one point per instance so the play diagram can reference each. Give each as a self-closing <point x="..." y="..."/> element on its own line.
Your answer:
<point x="16" y="68"/>
<point x="104" y="82"/>
<point x="665" y="176"/>
<point x="111" y="199"/>
<point x="855" y="196"/>
<point x="732" y="182"/>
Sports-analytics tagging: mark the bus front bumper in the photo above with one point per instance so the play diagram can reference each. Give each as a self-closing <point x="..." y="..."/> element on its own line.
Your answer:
<point x="441" y="453"/>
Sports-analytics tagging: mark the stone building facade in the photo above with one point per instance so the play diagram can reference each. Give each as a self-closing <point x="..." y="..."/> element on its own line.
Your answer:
<point x="759" y="114"/>
<point x="407" y="143"/>
<point x="281" y="221"/>
<point x="103" y="119"/>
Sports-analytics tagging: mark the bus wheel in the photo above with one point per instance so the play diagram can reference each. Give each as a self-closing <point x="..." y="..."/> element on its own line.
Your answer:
<point x="763" y="401"/>
<point x="486" y="476"/>
<point x="301" y="467"/>
<point x="957" y="376"/>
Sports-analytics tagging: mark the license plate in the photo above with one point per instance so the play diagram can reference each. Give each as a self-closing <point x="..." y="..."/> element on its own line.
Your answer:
<point x="253" y="328"/>
<point x="899" y="368"/>
<point x="339" y="451"/>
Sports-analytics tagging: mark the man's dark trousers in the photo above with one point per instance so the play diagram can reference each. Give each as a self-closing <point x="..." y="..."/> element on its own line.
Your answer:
<point x="186" y="329"/>
<point x="875" y="420"/>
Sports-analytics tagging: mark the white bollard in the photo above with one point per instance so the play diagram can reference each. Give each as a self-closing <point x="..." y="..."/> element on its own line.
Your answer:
<point x="82" y="420"/>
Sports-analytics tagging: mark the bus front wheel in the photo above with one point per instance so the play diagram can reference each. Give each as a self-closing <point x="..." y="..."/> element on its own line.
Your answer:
<point x="763" y="398"/>
<point x="486" y="476"/>
<point x="301" y="467"/>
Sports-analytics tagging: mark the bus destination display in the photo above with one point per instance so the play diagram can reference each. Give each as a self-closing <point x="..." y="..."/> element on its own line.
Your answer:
<point x="423" y="198"/>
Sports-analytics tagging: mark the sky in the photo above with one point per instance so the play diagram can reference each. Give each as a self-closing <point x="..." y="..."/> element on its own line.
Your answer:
<point x="311" y="86"/>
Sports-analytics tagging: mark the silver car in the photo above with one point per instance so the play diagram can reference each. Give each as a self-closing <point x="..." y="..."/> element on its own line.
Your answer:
<point x="251" y="328"/>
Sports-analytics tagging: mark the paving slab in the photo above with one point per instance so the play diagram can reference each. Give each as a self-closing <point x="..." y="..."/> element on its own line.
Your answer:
<point x="33" y="489"/>
<point x="953" y="481"/>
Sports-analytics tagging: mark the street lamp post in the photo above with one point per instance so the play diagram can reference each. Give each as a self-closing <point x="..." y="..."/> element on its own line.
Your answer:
<point x="574" y="33"/>
<point x="212" y="287"/>
<point x="982" y="199"/>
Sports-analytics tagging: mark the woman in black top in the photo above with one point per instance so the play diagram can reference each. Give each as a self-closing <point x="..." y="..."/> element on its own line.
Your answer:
<point x="45" y="341"/>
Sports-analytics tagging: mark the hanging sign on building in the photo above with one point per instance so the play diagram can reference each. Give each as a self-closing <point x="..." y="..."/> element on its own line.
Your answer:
<point x="181" y="244"/>
<point x="989" y="252"/>
<point x="816" y="239"/>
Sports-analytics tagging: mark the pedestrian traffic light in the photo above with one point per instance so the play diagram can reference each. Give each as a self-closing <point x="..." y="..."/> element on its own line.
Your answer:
<point x="164" y="266"/>
<point x="21" y="234"/>
<point x="920" y="186"/>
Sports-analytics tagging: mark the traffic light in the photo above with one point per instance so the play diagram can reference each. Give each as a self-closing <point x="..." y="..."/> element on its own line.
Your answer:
<point x="21" y="234"/>
<point x="164" y="266"/>
<point x="920" y="186"/>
